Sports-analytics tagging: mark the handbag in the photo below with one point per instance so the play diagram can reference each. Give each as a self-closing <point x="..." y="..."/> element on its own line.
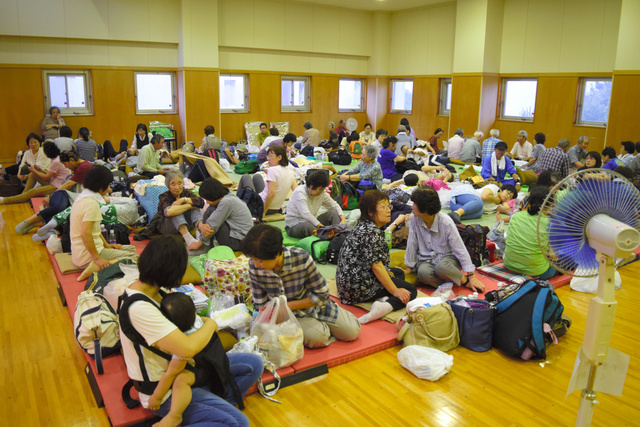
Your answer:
<point x="475" y="323"/>
<point x="279" y="333"/>
<point x="229" y="277"/>
<point x="433" y="326"/>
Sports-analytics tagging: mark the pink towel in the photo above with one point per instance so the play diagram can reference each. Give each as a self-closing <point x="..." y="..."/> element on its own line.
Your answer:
<point x="437" y="184"/>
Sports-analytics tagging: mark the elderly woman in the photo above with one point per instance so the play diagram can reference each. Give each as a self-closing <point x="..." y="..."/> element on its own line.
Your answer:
<point x="364" y="272"/>
<point x="52" y="123"/>
<point x="34" y="156"/>
<point x="523" y="254"/>
<point x="180" y="209"/>
<point x="162" y="264"/>
<point x="280" y="179"/>
<point x="367" y="168"/>
<point x="49" y="180"/>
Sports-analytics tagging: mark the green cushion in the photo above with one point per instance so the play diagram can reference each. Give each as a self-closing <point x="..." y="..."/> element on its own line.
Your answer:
<point x="288" y="240"/>
<point x="221" y="253"/>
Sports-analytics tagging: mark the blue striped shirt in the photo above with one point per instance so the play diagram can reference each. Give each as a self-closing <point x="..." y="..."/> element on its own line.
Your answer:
<point x="435" y="243"/>
<point x="488" y="146"/>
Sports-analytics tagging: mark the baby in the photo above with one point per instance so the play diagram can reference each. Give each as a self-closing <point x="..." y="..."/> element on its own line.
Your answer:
<point x="178" y="308"/>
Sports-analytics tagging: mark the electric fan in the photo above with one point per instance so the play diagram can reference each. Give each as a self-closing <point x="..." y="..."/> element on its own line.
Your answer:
<point x="587" y="225"/>
<point x="352" y="124"/>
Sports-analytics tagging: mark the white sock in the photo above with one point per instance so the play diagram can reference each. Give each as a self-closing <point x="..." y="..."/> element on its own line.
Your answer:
<point x="38" y="238"/>
<point x="45" y="229"/>
<point x="188" y="238"/>
<point x="378" y="310"/>
<point x="24" y="227"/>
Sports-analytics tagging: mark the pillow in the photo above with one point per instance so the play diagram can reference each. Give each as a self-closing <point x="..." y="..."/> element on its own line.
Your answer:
<point x="65" y="263"/>
<point x="468" y="173"/>
<point x="274" y="217"/>
<point x="528" y="177"/>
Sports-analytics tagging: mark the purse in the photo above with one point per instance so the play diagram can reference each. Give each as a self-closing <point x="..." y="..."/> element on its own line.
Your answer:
<point x="475" y="323"/>
<point x="433" y="326"/>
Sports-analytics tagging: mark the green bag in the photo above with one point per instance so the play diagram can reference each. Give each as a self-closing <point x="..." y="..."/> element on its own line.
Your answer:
<point x="246" y="166"/>
<point x="434" y="327"/>
<point x="315" y="247"/>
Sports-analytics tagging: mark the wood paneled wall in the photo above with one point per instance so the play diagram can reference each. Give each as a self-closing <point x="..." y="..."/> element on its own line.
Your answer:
<point x="424" y="118"/>
<point x="488" y="103"/>
<point x="201" y="103"/>
<point x="264" y="105"/>
<point x="554" y="115"/>
<point x="114" y="112"/>
<point x="466" y="94"/>
<point x="624" y="124"/>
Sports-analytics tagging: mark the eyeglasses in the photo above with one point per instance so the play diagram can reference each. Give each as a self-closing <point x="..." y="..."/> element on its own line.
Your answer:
<point x="384" y="207"/>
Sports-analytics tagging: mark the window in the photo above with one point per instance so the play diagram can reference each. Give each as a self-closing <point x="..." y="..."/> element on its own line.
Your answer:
<point x="350" y="95"/>
<point x="69" y="90"/>
<point x="445" y="97"/>
<point x="401" y="96"/>
<point x="155" y="93"/>
<point x="595" y="95"/>
<point x="295" y="93"/>
<point x="234" y="93"/>
<point x="518" y="99"/>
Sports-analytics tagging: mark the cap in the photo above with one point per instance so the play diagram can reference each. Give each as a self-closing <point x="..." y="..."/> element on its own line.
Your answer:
<point x="241" y="147"/>
<point x="501" y="145"/>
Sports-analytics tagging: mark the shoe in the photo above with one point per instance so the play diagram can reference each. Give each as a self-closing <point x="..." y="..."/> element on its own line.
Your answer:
<point x="455" y="217"/>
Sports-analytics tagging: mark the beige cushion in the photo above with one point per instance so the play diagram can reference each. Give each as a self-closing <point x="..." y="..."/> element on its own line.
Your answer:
<point x="191" y="276"/>
<point x="273" y="217"/>
<point x="65" y="263"/>
<point x="528" y="177"/>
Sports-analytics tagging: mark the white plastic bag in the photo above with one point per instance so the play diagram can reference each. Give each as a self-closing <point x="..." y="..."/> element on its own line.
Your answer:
<point x="590" y="284"/>
<point x="235" y="317"/>
<point x="424" y="362"/>
<point x="422" y="302"/>
<point x="116" y="287"/>
<point x="279" y="333"/>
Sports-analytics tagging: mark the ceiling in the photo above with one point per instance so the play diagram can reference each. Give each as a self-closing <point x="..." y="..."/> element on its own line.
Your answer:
<point x="378" y="5"/>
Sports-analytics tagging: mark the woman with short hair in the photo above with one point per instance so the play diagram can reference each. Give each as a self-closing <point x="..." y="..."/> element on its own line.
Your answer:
<point x="367" y="168"/>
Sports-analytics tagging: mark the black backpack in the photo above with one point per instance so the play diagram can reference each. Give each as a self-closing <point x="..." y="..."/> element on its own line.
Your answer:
<point x="212" y="364"/>
<point x="525" y="321"/>
<point x="474" y="237"/>
<point x="214" y="154"/>
<point x="333" y="250"/>
<point x="340" y="157"/>
<point x="253" y="201"/>
<point x="121" y="231"/>
<point x="307" y="151"/>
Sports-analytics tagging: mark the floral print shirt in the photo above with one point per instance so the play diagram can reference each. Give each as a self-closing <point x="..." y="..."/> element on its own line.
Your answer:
<point x="355" y="279"/>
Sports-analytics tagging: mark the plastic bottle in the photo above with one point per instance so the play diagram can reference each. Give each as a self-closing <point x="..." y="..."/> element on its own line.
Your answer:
<point x="112" y="237"/>
<point x="103" y="230"/>
<point x="387" y="237"/>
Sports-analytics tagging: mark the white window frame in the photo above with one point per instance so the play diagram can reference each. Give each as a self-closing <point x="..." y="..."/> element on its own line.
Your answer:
<point x="174" y="108"/>
<point x="581" y="91"/>
<point x="503" y="95"/>
<point x="307" y="95"/>
<point x="88" y="108"/>
<point x="391" y="93"/>
<point x="362" y="90"/>
<point x="246" y="93"/>
<point x="445" y="93"/>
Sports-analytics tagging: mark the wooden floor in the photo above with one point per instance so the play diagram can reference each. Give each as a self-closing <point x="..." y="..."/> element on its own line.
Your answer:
<point x="43" y="383"/>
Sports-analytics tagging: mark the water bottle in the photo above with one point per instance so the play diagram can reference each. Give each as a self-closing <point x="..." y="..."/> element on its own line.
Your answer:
<point x="103" y="230"/>
<point x="112" y="237"/>
<point x="387" y="237"/>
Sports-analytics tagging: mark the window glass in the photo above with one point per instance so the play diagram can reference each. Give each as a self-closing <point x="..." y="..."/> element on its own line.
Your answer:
<point x="595" y="96"/>
<point x="519" y="98"/>
<point x="401" y="96"/>
<point x="350" y="95"/>
<point x="155" y="93"/>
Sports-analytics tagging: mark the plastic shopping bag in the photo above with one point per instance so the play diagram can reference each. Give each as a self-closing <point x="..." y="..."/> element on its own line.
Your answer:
<point x="279" y="333"/>
<point x="590" y="284"/>
<point x="424" y="362"/>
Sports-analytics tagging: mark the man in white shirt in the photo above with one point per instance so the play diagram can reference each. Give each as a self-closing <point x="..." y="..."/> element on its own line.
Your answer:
<point x="454" y="145"/>
<point x="273" y="135"/>
<point x="522" y="148"/>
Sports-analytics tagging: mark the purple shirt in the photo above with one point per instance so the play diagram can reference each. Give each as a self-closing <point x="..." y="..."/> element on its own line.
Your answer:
<point x="386" y="158"/>
<point x="262" y="155"/>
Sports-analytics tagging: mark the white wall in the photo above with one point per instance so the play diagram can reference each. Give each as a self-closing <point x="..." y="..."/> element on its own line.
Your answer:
<point x="422" y="41"/>
<point x="627" y="57"/>
<point x="556" y="36"/>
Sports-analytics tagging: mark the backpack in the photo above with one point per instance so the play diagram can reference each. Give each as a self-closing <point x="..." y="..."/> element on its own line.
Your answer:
<point x="307" y="151"/>
<point x="336" y="190"/>
<point x="212" y="364"/>
<point x="100" y="279"/>
<point x="474" y="237"/>
<point x="253" y="201"/>
<point x="350" y="196"/>
<point x="356" y="149"/>
<point x="214" y="154"/>
<point x="121" y="231"/>
<point x="246" y="166"/>
<point x="525" y="321"/>
<point x="96" y="327"/>
<point x="333" y="249"/>
<point x="100" y="154"/>
<point x="340" y="157"/>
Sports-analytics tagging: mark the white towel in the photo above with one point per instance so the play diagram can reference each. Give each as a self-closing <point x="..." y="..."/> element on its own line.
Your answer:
<point x="496" y="164"/>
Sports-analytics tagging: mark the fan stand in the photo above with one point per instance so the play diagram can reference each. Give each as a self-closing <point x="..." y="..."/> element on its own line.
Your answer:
<point x="597" y="333"/>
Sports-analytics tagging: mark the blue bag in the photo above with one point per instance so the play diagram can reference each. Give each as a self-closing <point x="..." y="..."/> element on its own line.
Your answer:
<point x="475" y="323"/>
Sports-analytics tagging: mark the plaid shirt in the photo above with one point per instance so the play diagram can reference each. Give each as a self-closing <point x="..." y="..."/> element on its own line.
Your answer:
<point x="553" y="158"/>
<point x="298" y="279"/>
<point x="166" y="199"/>
<point x="488" y="146"/>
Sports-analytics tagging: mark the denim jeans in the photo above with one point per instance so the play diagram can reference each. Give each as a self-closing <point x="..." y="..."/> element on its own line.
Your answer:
<point x="471" y="204"/>
<point x="207" y="409"/>
<point x="58" y="201"/>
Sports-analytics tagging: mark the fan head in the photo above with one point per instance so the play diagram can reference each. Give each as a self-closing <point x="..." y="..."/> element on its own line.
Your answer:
<point x="352" y="124"/>
<point x="594" y="209"/>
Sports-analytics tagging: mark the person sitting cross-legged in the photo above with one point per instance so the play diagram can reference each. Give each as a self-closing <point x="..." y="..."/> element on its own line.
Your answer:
<point x="496" y="166"/>
<point x="305" y="202"/>
<point x="435" y="251"/>
<point x="282" y="270"/>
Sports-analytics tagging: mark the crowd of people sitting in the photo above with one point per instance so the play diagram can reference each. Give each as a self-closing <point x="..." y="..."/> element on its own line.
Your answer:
<point x="402" y="180"/>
